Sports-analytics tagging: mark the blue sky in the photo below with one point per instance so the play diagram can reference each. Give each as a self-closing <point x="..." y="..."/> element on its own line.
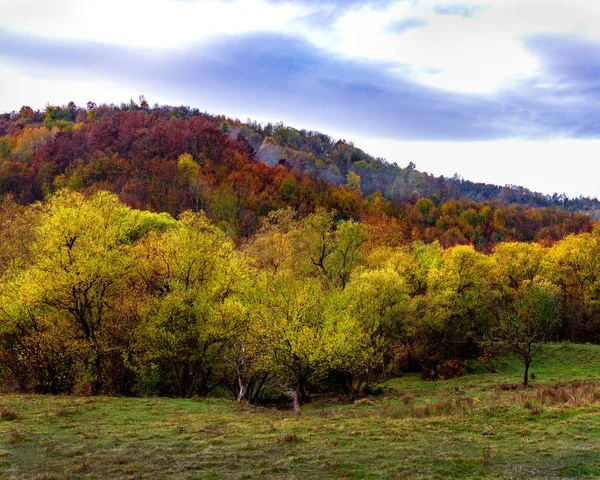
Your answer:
<point x="502" y="91"/>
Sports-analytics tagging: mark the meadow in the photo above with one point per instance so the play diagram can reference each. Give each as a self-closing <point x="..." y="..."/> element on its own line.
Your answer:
<point x="481" y="425"/>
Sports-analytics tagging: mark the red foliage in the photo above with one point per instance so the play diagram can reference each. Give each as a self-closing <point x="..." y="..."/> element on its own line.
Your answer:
<point x="135" y="153"/>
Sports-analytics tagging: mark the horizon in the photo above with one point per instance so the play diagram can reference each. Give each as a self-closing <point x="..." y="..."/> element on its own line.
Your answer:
<point x="509" y="97"/>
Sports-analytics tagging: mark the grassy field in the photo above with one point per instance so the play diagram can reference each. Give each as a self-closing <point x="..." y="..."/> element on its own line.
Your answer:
<point x="476" y="426"/>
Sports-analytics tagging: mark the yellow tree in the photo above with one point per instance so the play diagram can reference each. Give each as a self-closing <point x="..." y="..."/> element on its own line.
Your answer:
<point x="294" y="333"/>
<point x="30" y="140"/>
<point x="316" y="246"/>
<point x="572" y="264"/>
<point x="17" y="232"/>
<point x="272" y="248"/>
<point x="194" y="275"/>
<point x="456" y="308"/>
<point x="190" y="170"/>
<point x="353" y="183"/>
<point x="82" y="261"/>
<point x="515" y="263"/>
<point x="378" y="302"/>
<point x="326" y="249"/>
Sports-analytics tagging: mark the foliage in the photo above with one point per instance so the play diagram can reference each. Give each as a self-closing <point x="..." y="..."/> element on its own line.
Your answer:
<point x="175" y="159"/>
<point x="151" y="251"/>
<point x="528" y="320"/>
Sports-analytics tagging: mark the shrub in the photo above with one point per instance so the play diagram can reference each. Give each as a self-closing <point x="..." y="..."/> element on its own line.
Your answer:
<point x="450" y="369"/>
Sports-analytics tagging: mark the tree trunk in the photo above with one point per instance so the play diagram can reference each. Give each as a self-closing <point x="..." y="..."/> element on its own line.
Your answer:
<point x="242" y="391"/>
<point x="257" y="390"/>
<point x="526" y="375"/>
<point x="296" y="395"/>
<point x="95" y="387"/>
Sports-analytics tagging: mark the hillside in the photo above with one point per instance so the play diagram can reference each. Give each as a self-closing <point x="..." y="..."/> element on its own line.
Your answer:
<point x="331" y="160"/>
<point x="171" y="159"/>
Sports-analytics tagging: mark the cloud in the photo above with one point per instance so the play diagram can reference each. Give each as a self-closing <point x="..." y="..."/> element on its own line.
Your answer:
<point x="405" y="25"/>
<point x="465" y="11"/>
<point x="161" y="24"/>
<point x="280" y="77"/>
<point x="570" y="63"/>
<point x="271" y="74"/>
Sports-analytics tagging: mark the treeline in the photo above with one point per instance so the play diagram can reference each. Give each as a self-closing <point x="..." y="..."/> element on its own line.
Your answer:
<point x="97" y="297"/>
<point x="166" y="159"/>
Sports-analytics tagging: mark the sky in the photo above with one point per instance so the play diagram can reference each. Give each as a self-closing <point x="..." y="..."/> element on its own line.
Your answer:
<point x="499" y="91"/>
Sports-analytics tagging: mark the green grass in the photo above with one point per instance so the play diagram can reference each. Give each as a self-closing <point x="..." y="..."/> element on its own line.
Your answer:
<point x="476" y="426"/>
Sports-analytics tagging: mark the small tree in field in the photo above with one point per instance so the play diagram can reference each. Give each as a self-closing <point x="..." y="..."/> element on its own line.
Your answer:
<point x="527" y="321"/>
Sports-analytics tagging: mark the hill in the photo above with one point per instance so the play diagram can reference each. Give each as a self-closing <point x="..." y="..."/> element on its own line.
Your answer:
<point x="171" y="159"/>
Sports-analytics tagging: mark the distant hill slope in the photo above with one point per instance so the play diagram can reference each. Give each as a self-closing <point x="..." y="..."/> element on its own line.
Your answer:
<point x="331" y="160"/>
<point x="176" y="158"/>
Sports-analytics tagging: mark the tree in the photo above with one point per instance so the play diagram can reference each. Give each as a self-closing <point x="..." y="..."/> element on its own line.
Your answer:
<point x="572" y="265"/>
<point x="26" y="113"/>
<point x="295" y="334"/>
<point x="515" y="263"/>
<point x="353" y="183"/>
<point x="30" y="140"/>
<point x="326" y="249"/>
<point x="526" y="322"/>
<point x="193" y="274"/>
<point x="455" y="311"/>
<point x="80" y="267"/>
<point x="272" y="246"/>
<point x="17" y="233"/>
<point x="349" y="238"/>
<point x="190" y="170"/>
<point x="378" y="302"/>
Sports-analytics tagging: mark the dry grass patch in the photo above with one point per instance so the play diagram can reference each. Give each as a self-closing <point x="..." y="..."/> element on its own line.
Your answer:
<point x="288" y="438"/>
<point x="9" y="414"/>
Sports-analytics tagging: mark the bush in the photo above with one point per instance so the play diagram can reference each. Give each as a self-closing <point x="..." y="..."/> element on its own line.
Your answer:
<point x="450" y="369"/>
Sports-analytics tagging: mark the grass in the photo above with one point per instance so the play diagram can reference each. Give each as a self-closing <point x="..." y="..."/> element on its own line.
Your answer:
<point x="477" y="426"/>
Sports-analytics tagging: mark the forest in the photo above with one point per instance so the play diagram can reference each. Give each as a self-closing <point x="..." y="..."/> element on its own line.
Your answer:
<point x="161" y="251"/>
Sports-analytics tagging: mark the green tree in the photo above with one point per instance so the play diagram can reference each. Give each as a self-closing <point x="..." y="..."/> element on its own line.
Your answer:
<point x="353" y="183"/>
<point x="532" y="318"/>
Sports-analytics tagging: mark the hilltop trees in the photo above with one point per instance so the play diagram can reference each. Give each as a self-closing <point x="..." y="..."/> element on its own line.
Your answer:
<point x="175" y="159"/>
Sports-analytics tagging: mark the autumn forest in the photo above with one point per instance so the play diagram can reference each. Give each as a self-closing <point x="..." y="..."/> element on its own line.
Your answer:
<point x="162" y="251"/>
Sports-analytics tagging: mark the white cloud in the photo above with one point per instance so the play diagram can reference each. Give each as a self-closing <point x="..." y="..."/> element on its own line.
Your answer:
<point x="141" y="23"/>
<point x="481" y="53"/>
<point x="37" y="88"/>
